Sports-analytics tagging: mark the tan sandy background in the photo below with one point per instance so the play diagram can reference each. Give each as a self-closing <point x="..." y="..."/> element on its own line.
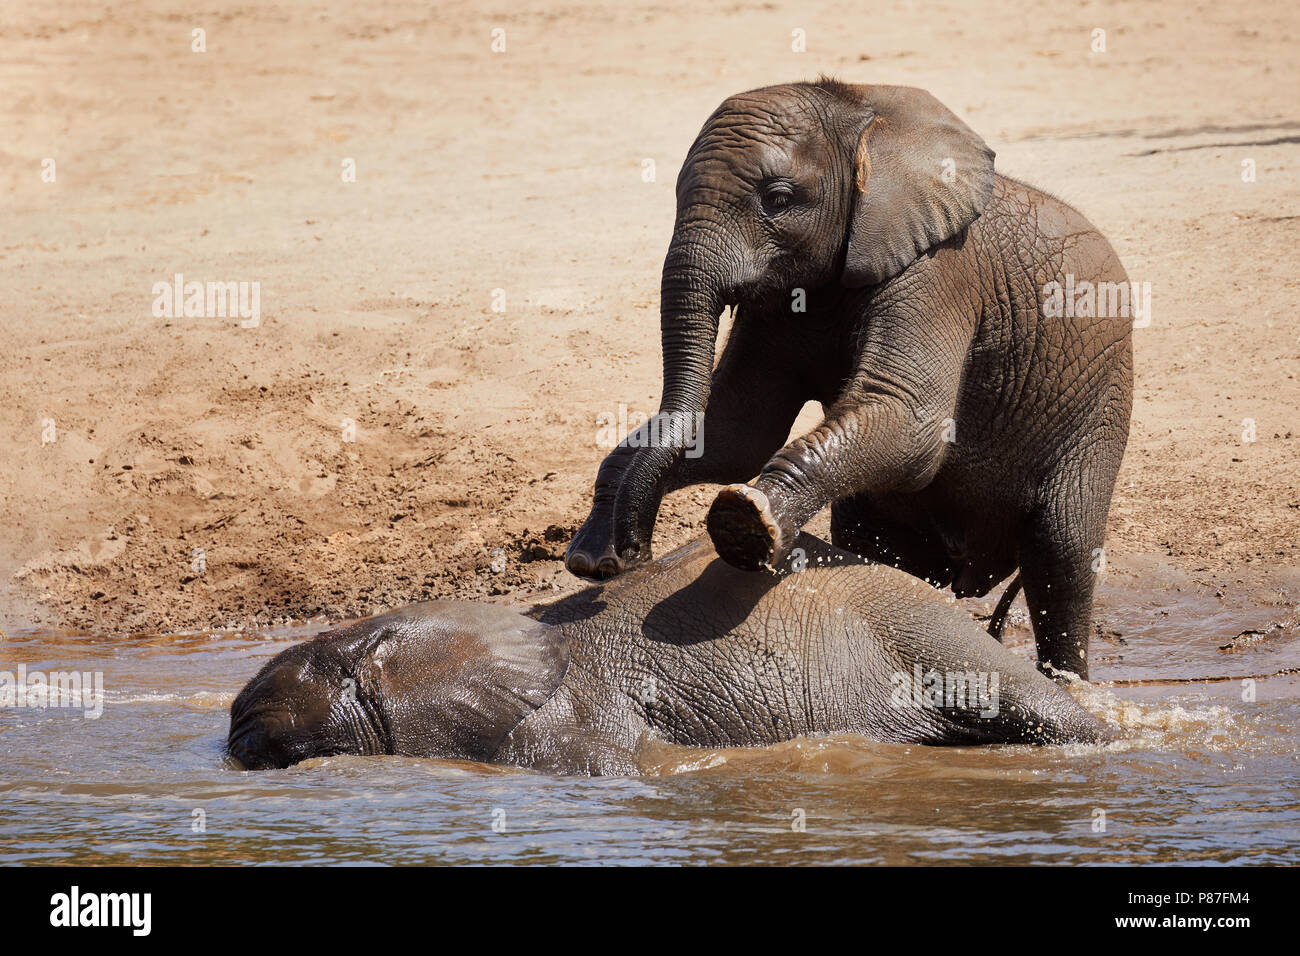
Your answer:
<point x="476" y="435"/>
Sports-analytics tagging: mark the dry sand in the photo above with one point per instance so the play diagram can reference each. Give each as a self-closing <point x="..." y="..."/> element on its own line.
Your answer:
<point x="522" y="171"/>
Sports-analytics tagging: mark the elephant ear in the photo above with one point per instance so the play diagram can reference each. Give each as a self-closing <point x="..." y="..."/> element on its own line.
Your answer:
<point x="921" y="177"/>
<point x="453" y="679"/>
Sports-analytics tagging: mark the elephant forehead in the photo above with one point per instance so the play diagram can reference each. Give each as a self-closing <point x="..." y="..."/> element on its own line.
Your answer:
<point x="774" y="108"/>
<point x="735" y="151"/>
<point x="305" y="691"/>
<point x="726" y="154"/>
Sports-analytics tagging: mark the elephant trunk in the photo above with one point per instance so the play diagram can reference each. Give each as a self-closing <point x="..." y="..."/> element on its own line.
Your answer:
<point x="689" y="312"/>
<point x="691" y="302"/>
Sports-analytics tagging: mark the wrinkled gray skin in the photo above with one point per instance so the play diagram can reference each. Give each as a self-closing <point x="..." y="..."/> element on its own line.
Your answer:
<point x="923" y="274"/>
<point x="687" y="650"/>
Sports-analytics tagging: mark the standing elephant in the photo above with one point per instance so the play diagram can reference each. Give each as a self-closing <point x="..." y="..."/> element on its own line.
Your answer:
<point x="686" y="650"/>
<point x="881" y="267"/>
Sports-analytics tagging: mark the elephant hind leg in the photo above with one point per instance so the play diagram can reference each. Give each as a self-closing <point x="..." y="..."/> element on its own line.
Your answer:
<point x="1061" y="550"/>
<point x="1059" y="569"/>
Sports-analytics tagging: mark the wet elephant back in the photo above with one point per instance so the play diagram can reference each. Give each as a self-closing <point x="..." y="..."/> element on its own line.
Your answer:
<point x="702" y="654"/>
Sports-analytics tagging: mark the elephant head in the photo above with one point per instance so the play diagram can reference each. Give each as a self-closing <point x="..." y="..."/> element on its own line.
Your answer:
<point x="785" y="188"/>
<point x="441" y="679"/>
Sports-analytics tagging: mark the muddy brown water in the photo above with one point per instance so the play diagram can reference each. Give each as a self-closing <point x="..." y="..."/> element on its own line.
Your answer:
<point x="1204" y="683"/>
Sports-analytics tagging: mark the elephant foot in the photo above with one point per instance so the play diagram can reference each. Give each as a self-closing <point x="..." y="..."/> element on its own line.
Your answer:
<point x="593" y="565"/>
<point x="1062" y="675"/>
<point x="592" y="556"/>
<point x="743" y="530"/>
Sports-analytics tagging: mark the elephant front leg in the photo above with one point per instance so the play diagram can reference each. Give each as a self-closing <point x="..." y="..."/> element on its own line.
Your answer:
<point x="591" y="552"/>
<point x="755" y="400"/>
<point x="869" y="448"/>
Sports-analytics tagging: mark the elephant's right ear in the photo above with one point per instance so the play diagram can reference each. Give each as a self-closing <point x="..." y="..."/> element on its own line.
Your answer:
<point x="921" y="176"/>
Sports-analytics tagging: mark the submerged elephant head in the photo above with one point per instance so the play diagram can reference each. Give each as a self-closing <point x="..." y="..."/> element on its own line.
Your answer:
<point x="441" y="679"/>
<point x="790" y="188"/>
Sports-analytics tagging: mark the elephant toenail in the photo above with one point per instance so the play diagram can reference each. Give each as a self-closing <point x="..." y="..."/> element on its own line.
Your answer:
<point x="578" y="563"/>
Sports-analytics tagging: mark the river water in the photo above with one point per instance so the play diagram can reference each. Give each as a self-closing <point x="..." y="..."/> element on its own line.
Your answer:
<point x="1205" y="775"/>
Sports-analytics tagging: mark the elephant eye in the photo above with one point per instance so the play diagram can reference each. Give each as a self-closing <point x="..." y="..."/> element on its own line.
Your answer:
<point x="777" y="196"/>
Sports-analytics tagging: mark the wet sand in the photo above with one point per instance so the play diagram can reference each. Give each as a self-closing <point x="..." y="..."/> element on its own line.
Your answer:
<point x="476" y="431"/>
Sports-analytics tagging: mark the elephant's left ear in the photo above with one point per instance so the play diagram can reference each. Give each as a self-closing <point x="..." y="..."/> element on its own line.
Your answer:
<point x="921" y="177"/>
<point x="454" y="678"/>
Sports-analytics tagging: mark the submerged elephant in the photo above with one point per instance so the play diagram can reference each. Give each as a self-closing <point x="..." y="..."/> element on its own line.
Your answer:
<point x="974" y="419"/>
<point x="686" y="650"/>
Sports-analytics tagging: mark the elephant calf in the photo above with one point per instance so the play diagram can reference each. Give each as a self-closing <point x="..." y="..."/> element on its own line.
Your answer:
<point x="687" y="650"/>
<point x="974" y="419"/>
